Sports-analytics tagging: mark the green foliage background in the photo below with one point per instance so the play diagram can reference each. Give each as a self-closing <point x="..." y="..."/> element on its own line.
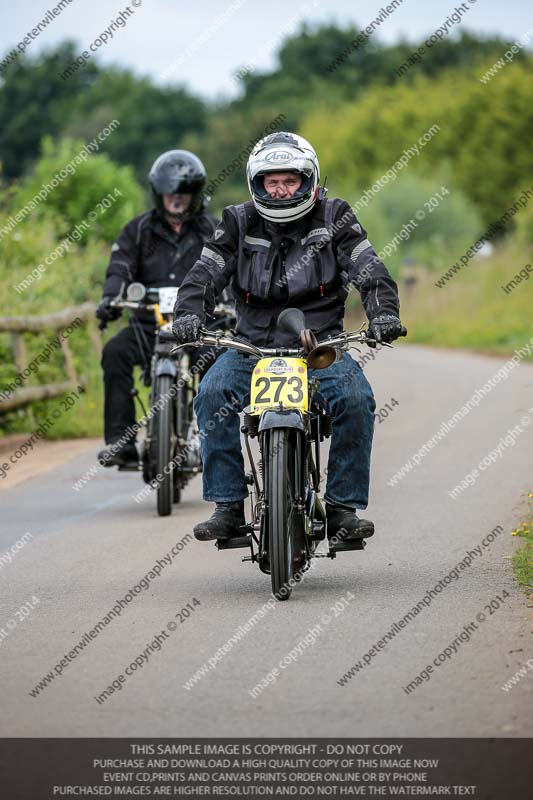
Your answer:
<point x="360" y="117"/>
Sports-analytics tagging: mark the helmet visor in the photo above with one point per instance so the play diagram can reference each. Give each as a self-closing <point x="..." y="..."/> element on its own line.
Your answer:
<point x="258" y="185"/>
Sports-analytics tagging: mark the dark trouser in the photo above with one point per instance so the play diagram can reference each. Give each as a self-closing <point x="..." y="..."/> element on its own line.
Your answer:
<point x="344" y="392"/>
<point x="120" y="355"/>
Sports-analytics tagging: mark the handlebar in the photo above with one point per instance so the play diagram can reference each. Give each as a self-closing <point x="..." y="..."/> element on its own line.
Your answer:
<point x="341" y="342"/>
<point x="220" y="311"/>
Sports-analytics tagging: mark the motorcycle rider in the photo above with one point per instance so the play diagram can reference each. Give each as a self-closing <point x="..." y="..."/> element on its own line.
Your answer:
<point x="288" y="246"/>
<point x="157" y="248"/>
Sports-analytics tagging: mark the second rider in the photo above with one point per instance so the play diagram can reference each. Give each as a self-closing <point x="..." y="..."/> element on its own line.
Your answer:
<point x="157" y="248"/>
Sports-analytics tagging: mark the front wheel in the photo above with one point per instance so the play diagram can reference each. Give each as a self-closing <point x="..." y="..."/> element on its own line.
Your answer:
<point x="281" y="511"/>
<point x="164" y="433"/>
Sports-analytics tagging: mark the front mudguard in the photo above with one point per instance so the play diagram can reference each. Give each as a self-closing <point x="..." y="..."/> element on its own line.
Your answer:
<point x="289" y="418"/>
<point x="165" y="366"/>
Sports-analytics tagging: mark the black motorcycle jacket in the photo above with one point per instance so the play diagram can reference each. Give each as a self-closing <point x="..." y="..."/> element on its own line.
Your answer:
<point x="149" y="251"/>
<point x="311" y="264"/>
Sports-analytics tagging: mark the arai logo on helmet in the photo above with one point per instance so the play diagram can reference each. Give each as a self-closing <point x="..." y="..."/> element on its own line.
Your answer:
<point x="278" y="157"/>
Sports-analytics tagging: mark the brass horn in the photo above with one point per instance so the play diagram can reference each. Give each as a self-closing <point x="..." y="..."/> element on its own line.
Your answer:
<point x="322" y="356"/>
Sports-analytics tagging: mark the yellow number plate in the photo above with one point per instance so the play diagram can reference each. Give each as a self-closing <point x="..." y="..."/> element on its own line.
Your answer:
<point x="279" y="380"/>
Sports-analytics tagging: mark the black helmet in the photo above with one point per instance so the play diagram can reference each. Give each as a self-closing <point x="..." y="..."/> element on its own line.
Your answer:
<point x="178" y="171"/>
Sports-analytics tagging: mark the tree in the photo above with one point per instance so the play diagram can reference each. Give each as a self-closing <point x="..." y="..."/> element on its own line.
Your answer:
<point x="35" y="101"/>
<point x="483" y="133"/>
<point x="80" y="195"/>
<point x="152" y="119"/>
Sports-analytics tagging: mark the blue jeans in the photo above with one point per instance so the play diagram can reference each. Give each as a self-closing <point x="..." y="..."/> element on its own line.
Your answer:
<point x="344" y="393"/>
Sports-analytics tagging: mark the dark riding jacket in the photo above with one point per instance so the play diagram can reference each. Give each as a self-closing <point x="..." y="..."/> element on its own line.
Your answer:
<point x="149" y="251"/>
<point x="311" y="264"/>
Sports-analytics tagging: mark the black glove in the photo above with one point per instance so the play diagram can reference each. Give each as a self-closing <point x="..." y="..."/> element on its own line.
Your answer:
<point x="187" y="328"/>
<point x="105" y="311"/>
<point x="386" y="328"/>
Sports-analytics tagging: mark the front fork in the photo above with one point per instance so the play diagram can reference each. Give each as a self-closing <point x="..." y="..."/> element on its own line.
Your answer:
<point x="307" y="480"/>
<point x="257" y="478"/>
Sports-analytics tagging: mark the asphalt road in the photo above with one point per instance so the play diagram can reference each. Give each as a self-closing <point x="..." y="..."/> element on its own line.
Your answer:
<point x="90" y="547"/>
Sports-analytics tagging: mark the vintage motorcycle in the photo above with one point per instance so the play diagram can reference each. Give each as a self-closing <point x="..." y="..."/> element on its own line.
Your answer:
<point x="288" y="517"/>
<point x="170" y="451"/>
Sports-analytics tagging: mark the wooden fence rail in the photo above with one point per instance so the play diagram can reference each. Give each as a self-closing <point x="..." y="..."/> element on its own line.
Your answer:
<point x="17" y="326"/>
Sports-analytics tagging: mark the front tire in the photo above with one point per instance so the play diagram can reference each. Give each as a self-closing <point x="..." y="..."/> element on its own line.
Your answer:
<point x="164" y="432"/>
<point x="280" y="504"/>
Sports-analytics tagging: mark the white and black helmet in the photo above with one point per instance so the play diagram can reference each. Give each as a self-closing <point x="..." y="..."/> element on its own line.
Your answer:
<point x="283" y="152"/>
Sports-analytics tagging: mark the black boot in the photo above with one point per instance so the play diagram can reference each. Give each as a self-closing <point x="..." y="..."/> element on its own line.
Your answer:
<point x="224" y="523"/>
<point x="115" y="456"/>
<point x="344" y="525"/>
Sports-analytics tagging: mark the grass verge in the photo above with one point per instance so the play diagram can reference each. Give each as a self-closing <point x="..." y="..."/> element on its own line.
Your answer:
<point x="473" y="311"/>
<point x="523" y="557"/>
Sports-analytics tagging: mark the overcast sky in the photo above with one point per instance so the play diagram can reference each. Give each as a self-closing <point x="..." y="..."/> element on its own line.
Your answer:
<point x="202" y="44"/>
